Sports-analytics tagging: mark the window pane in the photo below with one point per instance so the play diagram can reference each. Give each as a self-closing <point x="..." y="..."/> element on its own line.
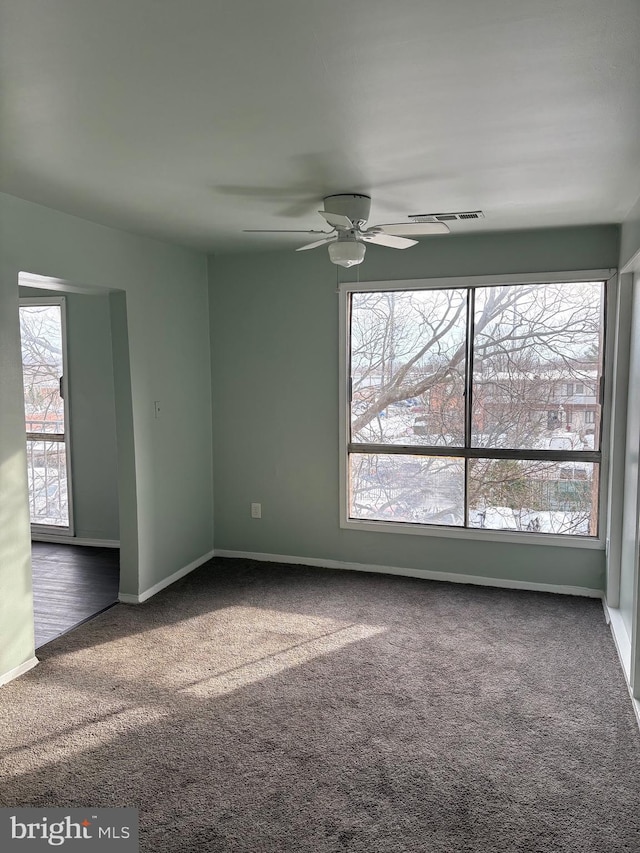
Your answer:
<point x="41" y="337"/>
<point x="533" y="496"/>
<point x="419" y="489"/>
<point x="47" y="472"/>
<point x="407" y="367"/>
<point x="537" y="366"/>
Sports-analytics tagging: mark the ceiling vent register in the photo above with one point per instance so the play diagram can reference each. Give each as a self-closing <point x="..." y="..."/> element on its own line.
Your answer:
<point x="446" y="217"/>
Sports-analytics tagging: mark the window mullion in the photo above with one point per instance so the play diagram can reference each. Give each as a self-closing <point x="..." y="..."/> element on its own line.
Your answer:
<point x="478" y="452"/>
<point x="468" y="394"/>
<point x="468" y="373"/>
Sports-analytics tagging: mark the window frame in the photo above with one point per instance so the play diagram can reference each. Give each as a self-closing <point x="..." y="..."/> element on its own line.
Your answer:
<point x="67" y="531"/>
<point x="346" y="288"/>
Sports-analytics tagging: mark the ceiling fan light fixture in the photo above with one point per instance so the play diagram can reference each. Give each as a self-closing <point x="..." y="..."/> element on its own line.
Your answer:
<point x="348" y="213"/>
<point x="347" y="253"/>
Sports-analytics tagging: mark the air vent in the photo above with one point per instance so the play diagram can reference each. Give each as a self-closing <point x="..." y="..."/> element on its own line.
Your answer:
<point x="446" y="217"/>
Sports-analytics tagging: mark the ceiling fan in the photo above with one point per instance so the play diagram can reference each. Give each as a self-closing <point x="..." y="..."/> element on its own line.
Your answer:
<point x="348" y="213"/>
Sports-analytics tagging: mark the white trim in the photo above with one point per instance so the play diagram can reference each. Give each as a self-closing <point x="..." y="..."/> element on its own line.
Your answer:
<point x="17" y="671"/>
<point x="607" y="403"/>
<point x="620" y="636"/>
<point x="57" y="285"/>
<point x="632" y="264"/>
<point x="128" y="598"/>
<point x="622" y="643"/>
<point x="480" y="280"/>
<point x="343" y="402"/>
<point x="478" y="534"/>
<point x="61" y="302"/>
<point x="449" y="577"/>
<point x="36" y="536"/>
<point x="617" y="400"/>
<point x="67" y="413"/>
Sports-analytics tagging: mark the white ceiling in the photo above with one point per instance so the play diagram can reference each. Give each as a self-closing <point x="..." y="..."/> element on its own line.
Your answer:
<point x="192" y="120"/>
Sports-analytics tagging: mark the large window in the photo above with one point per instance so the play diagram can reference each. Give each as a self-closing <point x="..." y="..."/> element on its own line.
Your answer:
<point x="476" y="406"/>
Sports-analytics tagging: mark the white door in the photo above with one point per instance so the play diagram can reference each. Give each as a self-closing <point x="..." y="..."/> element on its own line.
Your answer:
<point x="44" y="358"/>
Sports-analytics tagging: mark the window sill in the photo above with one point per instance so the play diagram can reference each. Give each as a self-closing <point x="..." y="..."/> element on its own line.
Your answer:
<point x="506" y="536"/>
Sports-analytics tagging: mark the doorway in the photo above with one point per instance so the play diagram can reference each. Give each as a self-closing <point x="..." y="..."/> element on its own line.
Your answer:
<point x="72" y="453"/>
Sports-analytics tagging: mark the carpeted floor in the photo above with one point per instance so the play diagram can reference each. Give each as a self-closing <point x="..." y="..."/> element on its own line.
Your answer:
<point x="265" y="708"/>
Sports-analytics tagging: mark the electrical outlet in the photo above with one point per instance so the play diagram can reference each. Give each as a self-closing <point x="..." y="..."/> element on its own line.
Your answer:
<point x="256" y="510"/>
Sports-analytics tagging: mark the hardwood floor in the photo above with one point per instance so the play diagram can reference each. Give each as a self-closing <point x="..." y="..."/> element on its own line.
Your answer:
<point x="71" y="583"/>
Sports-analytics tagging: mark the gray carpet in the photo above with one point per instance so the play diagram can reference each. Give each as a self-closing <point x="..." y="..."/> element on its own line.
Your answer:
<point x="258" y="707"/>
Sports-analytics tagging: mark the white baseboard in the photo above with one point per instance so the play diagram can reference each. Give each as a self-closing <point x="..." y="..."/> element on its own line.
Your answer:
<point x="17" y="671"/>
<point x="450" y="577"/>
<point x="75" y="540"/>
<point x="623" y="647"/>
<point x="127" y="598"/>
<point x="620" y="637"/>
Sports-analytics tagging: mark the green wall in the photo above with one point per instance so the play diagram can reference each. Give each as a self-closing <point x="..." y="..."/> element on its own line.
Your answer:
<point x="274" y="322"/>
<point x="159" y="305"/>
<point x="92" y="421"/>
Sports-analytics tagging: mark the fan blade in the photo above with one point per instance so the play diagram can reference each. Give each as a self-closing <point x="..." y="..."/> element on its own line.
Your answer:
<point x="282" y="231"/>
<point x="388" y="240"/>
<point x="317" y="243"/>
<point x="413" y="229"/>
<point x="336" y="219"/>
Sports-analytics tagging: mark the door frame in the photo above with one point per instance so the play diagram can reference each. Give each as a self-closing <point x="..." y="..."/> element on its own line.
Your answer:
<point x="51" y="529"/>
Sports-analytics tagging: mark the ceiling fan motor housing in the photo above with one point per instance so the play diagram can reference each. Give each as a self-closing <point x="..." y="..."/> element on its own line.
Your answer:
<point x="352" y="205"/>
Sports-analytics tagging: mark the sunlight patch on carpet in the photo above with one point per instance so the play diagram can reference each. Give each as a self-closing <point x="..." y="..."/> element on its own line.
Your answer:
<point x="276" y="663"/>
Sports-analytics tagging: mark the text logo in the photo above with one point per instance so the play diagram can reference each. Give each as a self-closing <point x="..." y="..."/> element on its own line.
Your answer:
<point x="30" y="829"/>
